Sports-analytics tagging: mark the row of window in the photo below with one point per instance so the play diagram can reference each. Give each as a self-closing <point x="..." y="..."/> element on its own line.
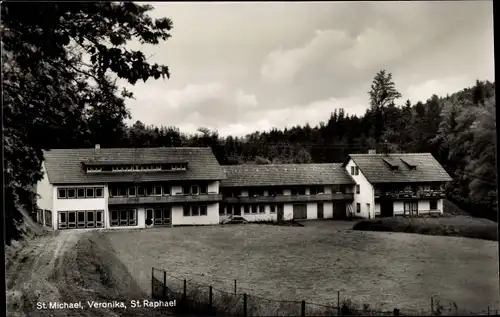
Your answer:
<point x="410" y="207"/>
<point x="194" y="210"/>
<point x="227" y="210"/>
<point x="159" y="216"/>
<point x="123" y="217"/>
<point x="155" y="190"/>
<point x="81" y="219"/>
<point x="294" y="191"/>
<point x="80" y="192"/>
<point x="139" y="168"/>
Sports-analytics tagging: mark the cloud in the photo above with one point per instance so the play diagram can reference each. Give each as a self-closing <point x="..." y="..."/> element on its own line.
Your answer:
<point x="440" y="87"/>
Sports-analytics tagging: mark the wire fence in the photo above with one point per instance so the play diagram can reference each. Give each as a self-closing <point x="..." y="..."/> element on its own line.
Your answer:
<point x="198" y="298"/>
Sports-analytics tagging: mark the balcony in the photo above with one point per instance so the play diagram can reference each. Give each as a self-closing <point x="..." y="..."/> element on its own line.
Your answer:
<point x="168" y="199"/>
<point x="409" y="194"/>
<point x="288" y="198"/>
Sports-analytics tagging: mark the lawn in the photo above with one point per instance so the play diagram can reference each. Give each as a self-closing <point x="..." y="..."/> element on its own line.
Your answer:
<point x="312" y="263"/>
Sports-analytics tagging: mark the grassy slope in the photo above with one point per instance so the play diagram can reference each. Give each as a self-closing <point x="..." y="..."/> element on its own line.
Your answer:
<point x="314" y="262"/>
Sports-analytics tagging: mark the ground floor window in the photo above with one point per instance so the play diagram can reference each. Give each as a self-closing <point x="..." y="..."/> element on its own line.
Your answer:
<point x="196" y="210"/>
<point x="411" y="208"/>
<point x="159" y="216"/>
<point x="433" y="204"/>
<point x="123" y="217"/>
<point x="81" y="219"/>
<point x="262" y="209"/>
<point x="48" y="218"/>
<point x="273" y="209"/>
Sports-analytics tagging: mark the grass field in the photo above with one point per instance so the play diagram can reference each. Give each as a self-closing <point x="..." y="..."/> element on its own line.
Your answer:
<point x="312" y="263"/>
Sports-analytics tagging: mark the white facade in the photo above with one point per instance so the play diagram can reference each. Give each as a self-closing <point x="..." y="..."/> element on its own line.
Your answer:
<point x="366" y="196"/>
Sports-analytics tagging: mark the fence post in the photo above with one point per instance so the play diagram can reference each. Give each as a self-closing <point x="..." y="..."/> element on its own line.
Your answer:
<point x="396" y="312"/>
<point x="338" y="303"/>
<point x="164" y="285"/>
<point x="245" y="304"/>
<point x="184" y="294"/>
<point x="210" y="296"/>
<point x="432" y="305"/>
<point x="488" y="310"/>
<point x="152" y="282"/>
<point x="303" y="308"/>
<point x="234" y="286"/>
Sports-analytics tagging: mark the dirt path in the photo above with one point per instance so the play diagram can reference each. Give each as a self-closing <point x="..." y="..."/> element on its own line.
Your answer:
<point x="37" y="274"/>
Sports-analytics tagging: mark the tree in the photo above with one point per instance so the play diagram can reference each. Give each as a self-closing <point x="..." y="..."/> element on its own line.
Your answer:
<point x="382" y="94"/>
<point x="53" y="95"/>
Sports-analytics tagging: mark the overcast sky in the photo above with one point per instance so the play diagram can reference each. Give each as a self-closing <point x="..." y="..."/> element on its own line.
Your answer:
<point x="241" y="67"/>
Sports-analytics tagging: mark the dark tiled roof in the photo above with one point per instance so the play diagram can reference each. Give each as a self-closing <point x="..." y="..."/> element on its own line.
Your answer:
<point x="285" y="174"/>
<point x="64" y="166"/>
<point x="376" y="169"/>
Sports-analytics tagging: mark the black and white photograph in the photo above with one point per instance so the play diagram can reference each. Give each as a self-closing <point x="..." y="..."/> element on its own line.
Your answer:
<point x="249" y="158"/>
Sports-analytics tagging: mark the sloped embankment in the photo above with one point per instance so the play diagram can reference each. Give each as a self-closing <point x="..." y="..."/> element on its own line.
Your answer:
<point x="73" y="267"/>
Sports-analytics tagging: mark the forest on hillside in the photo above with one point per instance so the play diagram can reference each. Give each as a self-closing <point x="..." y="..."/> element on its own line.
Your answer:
<point x="54" y="98"/>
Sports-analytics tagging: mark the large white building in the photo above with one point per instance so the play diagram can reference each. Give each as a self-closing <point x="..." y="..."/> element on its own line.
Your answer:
<point x="148" y="187"/>
<point x="396" y="184"/>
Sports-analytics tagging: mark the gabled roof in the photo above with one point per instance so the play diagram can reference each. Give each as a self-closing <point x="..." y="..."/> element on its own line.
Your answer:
<point x="285" y="175"/>
<point x="64" y="166"/>
<point x="406" y="168"/>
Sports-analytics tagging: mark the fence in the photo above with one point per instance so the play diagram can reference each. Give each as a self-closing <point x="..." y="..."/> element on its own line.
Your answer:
<point x="202" y="299"/>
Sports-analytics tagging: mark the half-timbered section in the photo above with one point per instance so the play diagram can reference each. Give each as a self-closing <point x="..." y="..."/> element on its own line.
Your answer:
<point x="285" y="191"/>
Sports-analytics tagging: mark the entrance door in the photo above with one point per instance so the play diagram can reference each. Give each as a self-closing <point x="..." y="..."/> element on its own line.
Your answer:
<point x="299" y="211"/>
<point x="237" y="210"/>
<point x="149" y="216"/>
<point x="320" y="211"/>
<point x="387" y="209"/>
<point x="339" y="211"/>
<point x="281" y="212"/>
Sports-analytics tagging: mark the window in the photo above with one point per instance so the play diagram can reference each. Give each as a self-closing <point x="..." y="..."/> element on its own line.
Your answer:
<point x="246" y="209"/>
<point x="357" y="171"/>
<point x="203" y="189"/>
<point x="71" y="193"/>
<point x="148" y="190"/>
<point x="48" y="218"/>
<point x="114" y="219"/>
<point x="98" y="219"/>
<point x="203" y="210"/>
<point x="255" y="192"/>
<point x="131" y="191"/>
<point x="89" y="192"/>
<point x="90" y="219"/>
<point x="358" y="190"/>
<point x="262" y="209"/>
<point x="411" y="208"/>
<point x="358" y="208"/>
<point x="254" y="209"/>
<point x="167" y="190"/>
<point x="195" y="211"/>
<point x="275" y="191"/>
<point x="314" y="190"/>
<point x="80" y="192"/>
<point x="293" y="191"/>
<point x="63" y="220"/>
<point x="71" y="219"/>
<point x="186" y="211"/>
<point x="273" y="209"/>
<point x="99" y="192"/>
<point x="140" y="191"/>
<point x="81" y="223"/>
<point x="229" y="210"/>
<point x="222" y="210"/>
<point x="61" y="193"/>
<point x="185" y="189"/>
<point x="194" y="190"/>
<point x="157" y="190"/>
<point x="352" y="170"/>
<point x="301" y="191"/>
<point x="433" y="204"/>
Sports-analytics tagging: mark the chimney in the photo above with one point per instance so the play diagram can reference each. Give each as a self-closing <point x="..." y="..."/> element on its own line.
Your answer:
<point x="372" y="151"/>
<point x="97" y="146"/>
